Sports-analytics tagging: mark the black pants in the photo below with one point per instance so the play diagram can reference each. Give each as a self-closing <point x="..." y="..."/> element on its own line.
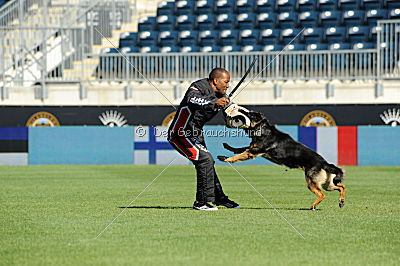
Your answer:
<point x="209" y="188"/>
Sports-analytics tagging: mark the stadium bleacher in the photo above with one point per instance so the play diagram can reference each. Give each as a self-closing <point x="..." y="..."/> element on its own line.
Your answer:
<point x="263" y="25"/>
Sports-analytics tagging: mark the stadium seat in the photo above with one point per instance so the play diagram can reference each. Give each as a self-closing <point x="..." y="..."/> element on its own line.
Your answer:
<point x="339" y="46"/>
<point x="316" y="46"/>
<point x="353" y="17"/>
<point x="206" y="21"/>
<point x="210" y="49"/>
<point x="264" y="6"/>
<point x="330" y="18"/>
<point x="349" y="4"/>
<point x="249" y="36"/>
<point x="206" y="7"/>
<point x="244" y="6"/>
<point x="363" y="45"/>
<point x="306" y="5"/>
<point x="311" y="35"/>
<point x="246" y="21"/>
<point x="229" y="37"/>
<point x="373" y="15"/>
<point x="168" y="38"/>
<point x="373" y="33"/>
<point x="165" y="8"/>
<point x="147" y="24"/>
<point x="335" y="34"/>
<point x="169" y="49"/>
<point x="184" y="7"/>
<point x="285" y="5"/>
<point x="208" y="37"/>
<point x="358" y="34"/>
<point x="272" y="47"/>
<point x="394" y="13"/>
<point x="288" y="35"/>
<point x="110" y="51"/>
<point x="371" y="4"/>
<point x="266" y="20"/>
<point x="165" y="22"/>
<point x="148" y="38"/>
<point x="327" y="5"/>
<point x="130" y="49"/>
<point x="185" y="22"/>
<point x="251" y="48"/>
<point x="269" y="36"/>
<point x="230" y="48"/>
<point x="149" y="49"/>
<point x="188" y="38"/>
<point x="309" y="19"/>
<point x="295" y="47"/>
<point x="127" y="39"/>
<point x="225" y="6"/>
<point x="189" y="49"/>
<point x="287" y="20"/>
<point x="392" y="4"/>
<point x="226" y="21"/>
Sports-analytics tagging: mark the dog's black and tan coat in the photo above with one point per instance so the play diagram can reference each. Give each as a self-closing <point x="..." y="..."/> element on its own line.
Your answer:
<point x="280" y="148"/>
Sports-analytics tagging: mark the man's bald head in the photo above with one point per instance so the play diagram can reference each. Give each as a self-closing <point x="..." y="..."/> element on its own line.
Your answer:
<point x="218" y="73"/>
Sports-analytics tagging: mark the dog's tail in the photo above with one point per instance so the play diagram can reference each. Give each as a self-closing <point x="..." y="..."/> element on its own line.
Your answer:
<point x="330" y="168"/>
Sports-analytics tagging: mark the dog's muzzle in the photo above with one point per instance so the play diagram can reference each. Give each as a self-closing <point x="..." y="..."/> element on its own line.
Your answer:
<point x="236" y="116"/>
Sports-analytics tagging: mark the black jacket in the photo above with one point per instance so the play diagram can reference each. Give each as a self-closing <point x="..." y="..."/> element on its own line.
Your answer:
<point x="196" y="108"/>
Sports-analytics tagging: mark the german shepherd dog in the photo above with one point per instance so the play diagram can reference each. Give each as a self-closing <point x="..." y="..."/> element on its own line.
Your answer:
<point x="280" y="148"/>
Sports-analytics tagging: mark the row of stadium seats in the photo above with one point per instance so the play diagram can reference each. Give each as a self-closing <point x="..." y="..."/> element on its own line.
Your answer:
<point x="266" y="20"/>
<point x="182" y="7"/>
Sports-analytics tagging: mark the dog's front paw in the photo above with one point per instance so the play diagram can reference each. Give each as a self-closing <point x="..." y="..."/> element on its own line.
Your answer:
<point x="222" y="158"/>
<point x="341" y="204"/>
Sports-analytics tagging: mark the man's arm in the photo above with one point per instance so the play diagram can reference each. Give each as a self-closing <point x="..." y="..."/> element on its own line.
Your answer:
<point x="206" y="102"/>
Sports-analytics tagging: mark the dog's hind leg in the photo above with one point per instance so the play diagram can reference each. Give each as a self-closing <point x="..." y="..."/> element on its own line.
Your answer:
<point x="342" y="190"/>
<point x="317" y="191"/>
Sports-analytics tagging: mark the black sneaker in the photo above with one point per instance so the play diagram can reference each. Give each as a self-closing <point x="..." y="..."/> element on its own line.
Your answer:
<point x="204" y="207"/>
<point x="227" y="203"/>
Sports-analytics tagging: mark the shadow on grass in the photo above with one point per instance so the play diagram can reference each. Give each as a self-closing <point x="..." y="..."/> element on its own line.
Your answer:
<point x="185" y="207"/>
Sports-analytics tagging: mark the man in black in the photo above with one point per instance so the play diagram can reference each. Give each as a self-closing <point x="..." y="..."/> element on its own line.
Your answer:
<point x="202" y="101"/>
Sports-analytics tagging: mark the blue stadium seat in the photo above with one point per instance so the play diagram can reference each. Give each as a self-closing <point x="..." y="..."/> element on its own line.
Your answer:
<point x="230" y="48"/>
<point x="206" y="21"/>
<point x="165" y="8"/>
<point x="373" y="15"/>
<point x="148" y="38"/>
<point x="371" y="4"/>
<point x="208" y="37"/>
<point x="316" y="46"/>
<point x="168" y="38"/>
<point x="188" y="38"/>
<point x="189" y="49"/>
<point x="353" y="17"/>
<point x="373" y="32"/>
<point x="205" y="7"/>
<point x="358" y="34"/>
<point x="264" y="6"/>
<point x="349" y="4"/>
<point x="244" y="6"/>
<point x="249" y="36"/>
<point x="327" y="5"/>
<point x="272" y="47"/>
<point x="226" y="21"/>
<point x="330" y="18"/>
<point x="335" y="34"/>
<point x="287" y="20"/>
<point x="149" y="49"/>
<point x="392" y="4"/>
<point x="269" y="36"/>
<point x="127" y="39"/>
<point x="309" y="18"/>
<point x="225" y="6"/>
<point x="185" y="22"/>
<point x="169" y="49"/>
<point x="266" y="20"/>
<point x="306" y="5"/>
<point x="289" y="34"/>
<point x="165" y="22"/>
<point x="339" y="46"/>
<point x="246" y="21"/>
<point x="229" y="37"/>
<point x="184" y="7"/>
<point x="285" y="5"/>
<point x="363" y="45"/>
<point x="251" y="48"/>
<point x="110" y="51"/>
<point x="147" y="24"/>
<point x="210" y="49"/>
<point x="2" y="2"/>
<point x="130" y="49"/>
<point x="394" y="13"/>
<point x="296" y="47"/>
<point x="313" y="35"/>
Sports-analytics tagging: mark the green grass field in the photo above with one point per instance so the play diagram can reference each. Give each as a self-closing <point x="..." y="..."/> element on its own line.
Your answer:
<point x="52" y="215"/>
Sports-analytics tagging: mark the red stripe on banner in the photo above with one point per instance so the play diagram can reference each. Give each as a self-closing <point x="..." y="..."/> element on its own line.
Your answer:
<point x="347" y="145"/>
